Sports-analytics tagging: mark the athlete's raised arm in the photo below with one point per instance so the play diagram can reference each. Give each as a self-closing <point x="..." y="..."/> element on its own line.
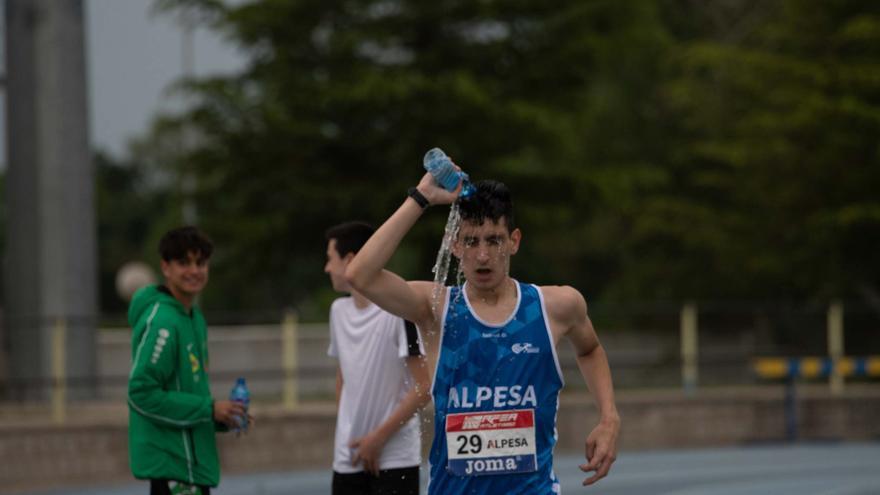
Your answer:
<point x="367" y="274"/>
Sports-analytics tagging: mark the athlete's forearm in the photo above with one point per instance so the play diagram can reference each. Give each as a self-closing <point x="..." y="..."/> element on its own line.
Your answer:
<point x="169" y="408"/>
<point x="597" y="375"/>
<point x="369" y="262"/>
<point x="366" y="268"/>
<point x="366" y="273"/>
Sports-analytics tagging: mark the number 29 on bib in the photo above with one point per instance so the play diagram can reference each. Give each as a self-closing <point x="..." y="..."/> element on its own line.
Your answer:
<point x="492" y="442"/>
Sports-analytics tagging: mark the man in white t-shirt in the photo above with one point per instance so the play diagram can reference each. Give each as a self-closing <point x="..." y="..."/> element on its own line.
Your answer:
<point x="381" y="382"/>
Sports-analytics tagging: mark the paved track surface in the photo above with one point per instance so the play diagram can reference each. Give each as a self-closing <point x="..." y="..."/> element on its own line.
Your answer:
<point x="813" y="469"/>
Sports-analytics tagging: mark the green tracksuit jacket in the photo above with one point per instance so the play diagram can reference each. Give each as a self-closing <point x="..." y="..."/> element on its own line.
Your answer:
<point x="171" y="430"/>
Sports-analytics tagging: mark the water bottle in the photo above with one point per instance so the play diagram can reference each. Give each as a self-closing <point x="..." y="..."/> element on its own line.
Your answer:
<point x="239" y="393"/>
<point x="445" y="175"/>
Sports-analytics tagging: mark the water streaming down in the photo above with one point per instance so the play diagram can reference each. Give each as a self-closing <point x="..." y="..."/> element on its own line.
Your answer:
<point x="441" y="274"/>
<point x="444" y="256"/>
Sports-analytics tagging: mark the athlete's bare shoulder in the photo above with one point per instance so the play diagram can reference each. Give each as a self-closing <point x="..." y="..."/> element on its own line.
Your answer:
<point x="566" y="308"/>
<point x="562" y="300"/>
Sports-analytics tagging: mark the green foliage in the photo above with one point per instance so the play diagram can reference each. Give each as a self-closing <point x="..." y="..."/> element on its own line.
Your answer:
<point x="656" y="150"/>
<point x="132" y="216"/>
<point x="777" y="138"/>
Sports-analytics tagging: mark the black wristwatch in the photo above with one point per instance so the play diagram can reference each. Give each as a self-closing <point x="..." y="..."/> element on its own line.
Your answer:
<point x="418" y="197"/>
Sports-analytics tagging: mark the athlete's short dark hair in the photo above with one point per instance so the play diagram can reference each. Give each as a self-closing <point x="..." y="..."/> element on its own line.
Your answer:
<point x="350" y="236"/>
<point x="491" y="201"/>
<point x="177" y="243"/>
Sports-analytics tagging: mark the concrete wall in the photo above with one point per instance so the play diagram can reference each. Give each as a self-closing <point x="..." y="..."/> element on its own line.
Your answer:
<point x="92" y="447"/>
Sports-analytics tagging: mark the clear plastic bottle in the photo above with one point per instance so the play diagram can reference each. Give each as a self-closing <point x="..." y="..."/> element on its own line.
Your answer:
<point x="441" y="168"/>
<point x="240" y="393"/>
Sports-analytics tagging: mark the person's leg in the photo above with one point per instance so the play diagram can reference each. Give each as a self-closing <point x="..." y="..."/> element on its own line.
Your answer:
<point x="167" y="487"/>
<point x="159" y="487"/>
<point x="351" y="483"/>
<point x="400" y="481"/>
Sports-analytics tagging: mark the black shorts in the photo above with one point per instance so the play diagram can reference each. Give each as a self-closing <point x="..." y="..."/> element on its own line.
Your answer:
<point x="160" y="487"/>
<point x="400" y="481"/>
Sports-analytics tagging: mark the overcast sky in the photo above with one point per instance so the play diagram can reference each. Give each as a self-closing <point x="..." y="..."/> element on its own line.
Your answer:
<point x="133" y="56"/>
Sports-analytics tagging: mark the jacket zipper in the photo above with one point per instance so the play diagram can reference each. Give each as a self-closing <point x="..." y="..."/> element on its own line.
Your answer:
<point x="189" y="431"/>
<point x="192" y="443"/>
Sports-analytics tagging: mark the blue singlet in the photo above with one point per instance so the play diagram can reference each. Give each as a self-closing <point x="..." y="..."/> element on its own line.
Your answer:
<point x="496" y="394"/>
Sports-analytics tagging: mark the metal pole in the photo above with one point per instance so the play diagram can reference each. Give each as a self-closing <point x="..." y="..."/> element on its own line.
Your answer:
<point x="4" y="360"/>
<point x="689" y="356"/>
<point x="289" y="337"/>
<point x="790" y="404"/>
<point x="189" y="210"/>
<point x="59" y="374"/>
<point x="51" y="254"/>
<point x="835" y="346"/>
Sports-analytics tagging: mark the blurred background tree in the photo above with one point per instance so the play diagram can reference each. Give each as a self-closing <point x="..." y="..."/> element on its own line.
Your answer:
<point x="656" y="150"/>
<point x="774" y="153"/>
<point x="134" y="209"/>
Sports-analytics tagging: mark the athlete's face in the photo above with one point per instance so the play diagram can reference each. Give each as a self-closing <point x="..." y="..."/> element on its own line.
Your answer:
<point x="335" y="267"/>
<point x="186" y="278"/>
<point x="485" y="250"/>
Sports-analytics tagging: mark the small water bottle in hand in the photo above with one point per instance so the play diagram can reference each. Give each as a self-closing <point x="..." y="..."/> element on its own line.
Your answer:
<point x="445" y="175"/>
<point x="240" y="394"/>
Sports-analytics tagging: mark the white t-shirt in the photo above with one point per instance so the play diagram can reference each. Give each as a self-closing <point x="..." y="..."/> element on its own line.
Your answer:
<point x="372" y="345"/>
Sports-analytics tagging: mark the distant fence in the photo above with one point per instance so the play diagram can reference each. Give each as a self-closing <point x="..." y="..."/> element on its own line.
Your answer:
<point x="649" y="345"/>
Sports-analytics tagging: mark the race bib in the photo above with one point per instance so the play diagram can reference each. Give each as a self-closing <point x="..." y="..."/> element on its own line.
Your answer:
<point x="493" y="442"/>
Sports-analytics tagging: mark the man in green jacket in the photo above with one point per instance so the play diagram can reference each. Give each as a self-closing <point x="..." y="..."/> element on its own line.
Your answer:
<point x="172" y="417"/>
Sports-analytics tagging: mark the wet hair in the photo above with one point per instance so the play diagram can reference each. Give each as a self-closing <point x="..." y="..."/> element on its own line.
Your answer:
<point x="177" y="243"/>
<point x="350" y="236"/>
<point x="490" y="201"/>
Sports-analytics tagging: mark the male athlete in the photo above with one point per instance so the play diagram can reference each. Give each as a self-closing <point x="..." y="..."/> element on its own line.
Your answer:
<point x="497" y="379"/>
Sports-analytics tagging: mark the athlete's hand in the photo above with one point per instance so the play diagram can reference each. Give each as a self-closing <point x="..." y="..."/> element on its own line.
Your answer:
<point x="225" y="412"/>
<point x="367" y="450"/>
<point x="601" y="450"/>
<point x="435" y="194"/>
